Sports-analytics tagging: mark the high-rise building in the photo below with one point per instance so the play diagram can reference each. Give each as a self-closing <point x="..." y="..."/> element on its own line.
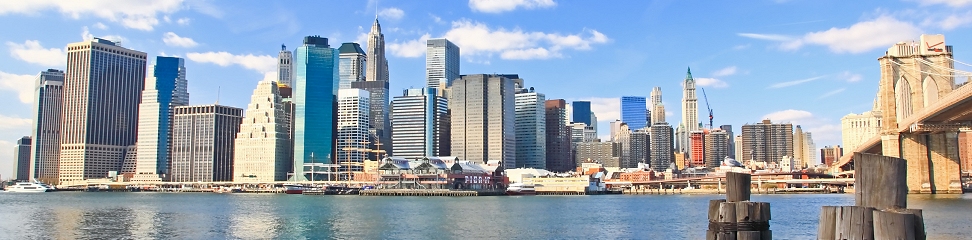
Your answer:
<point x="352" y="64"/>
<point x="262" y="146"/>
<point x="738" y="152"/>
<point x="165" y="89"/>
<point x="599" y="152"/>
<point x="634" y="112"/>
<point x="559" y="157"/>
<point x="285" y="67"/>
<point x="661" y="147"/>
<point x="531" y="131"/>
<point x="831" y="154"/>
<point x="353" y="137"/>
<point x="441" y="63"/>
<point x="716" y="147"/>
<point x="640" y="148"/>
<point x="767" y="141"/>
<point x="22" y="159"/>
<point x="420" y="124"/>
<point x="731" y="137"/>
<point x="810" y="150"/>
<point x="315" y="99"/>
<point x="582" y="112"/>
<point x="97" y="127"/>
<point x="657" y="109"/>
<point x="855" y="129"/>
<point x="46" y="128"/>
<point x="203" y="142"/>
<point x="482" y="119"/>
<point x="799" y="148"/>
<point x="622" y="147"/>
<point x="697" y="148"/>
<point x="377" y="65"/>
<point x="376" y="83"/>
<point x="690" y="113"/>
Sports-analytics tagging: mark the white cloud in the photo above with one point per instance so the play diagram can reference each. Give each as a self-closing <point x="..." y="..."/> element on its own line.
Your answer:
<point x="794" y="82"/>
<point x="32" y="52"/>
<point x="861" y="37"/>
<point x="408" y="49"/>
<point x="728" y="71"/>
<point x="849" y="76"/>
<point x="949" y="22"/>
<point x="711" y="82"/>
<point x="392" y="13"/>
<point x="770" y="37"/>
<point x="606" y="109"/>
<point x="824" y="131"/>
<point x="498" y="6"/>
<point x="831" y="93"/>
<point x="796" y="117"/>
<point x="141" y="15"/>
<point x="477" y="39"/>
<point x="22" y="85"/>
<point x="172" y="39"/>
<point x="953" y="3"/>
<point x="14" y="123"/>
<point x="533" y="53"/>
<point x="101" y="26"/>
<point x="435" y="18"/>
<point x="183" y="21"/>
<point x="260" y="63"/>
<point x="87" y="36"/>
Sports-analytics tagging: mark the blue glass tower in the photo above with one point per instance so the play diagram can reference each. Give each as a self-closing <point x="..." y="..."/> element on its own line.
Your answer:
<point x="316" y="81"/>
<point x="634" y="112"/>
<point x="581" y="112"/>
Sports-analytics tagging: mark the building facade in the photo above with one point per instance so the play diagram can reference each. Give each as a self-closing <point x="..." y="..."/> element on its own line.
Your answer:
<point x="46" y="128"/>
<point x="261" y="150"/>
<point x="285" y="67"/>
<point x="165" y="89"/>
<point x="599" y="152"/>
<point x="482" y="119"/>
<point x="531" y="132"/>
<point x="634" y="112"/>
<point x="441" y="63"/>
<point x="855" y="129"/>
<point x="581" y="112"/>
<point x="203" y="142"/>
<point x="352" y="61"/>
<point x="559" y="157"/>
<point x="716" y="147"/>
<point x="657" y="108"/>
<point x="831" y="154"/>
<point x="377" y="65"/>
<point x="22" y="159"/>
<point x="315" y="100"/>
<point x="767" y="141"/>
<point x="690" y="115"/>
<point x="353" y="137"/>
<point x="661" y="147"/>
<point x="97" y="128"/>
<point x="420" y="124"/>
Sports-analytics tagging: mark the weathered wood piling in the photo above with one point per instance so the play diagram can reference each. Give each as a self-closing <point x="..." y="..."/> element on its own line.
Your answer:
<point x="736" y="217"/>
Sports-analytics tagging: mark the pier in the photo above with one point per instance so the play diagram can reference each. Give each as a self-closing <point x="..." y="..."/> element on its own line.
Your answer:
<point x="430" y="192"/>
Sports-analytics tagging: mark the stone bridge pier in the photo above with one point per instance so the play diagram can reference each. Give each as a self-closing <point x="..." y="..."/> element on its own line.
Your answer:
<point x="933" y="160"/>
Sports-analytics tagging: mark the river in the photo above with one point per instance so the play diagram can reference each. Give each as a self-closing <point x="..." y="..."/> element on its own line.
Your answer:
<point x="80" y="215"/>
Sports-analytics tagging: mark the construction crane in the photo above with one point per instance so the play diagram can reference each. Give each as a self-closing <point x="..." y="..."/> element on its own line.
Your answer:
<point x="707" y="107"/>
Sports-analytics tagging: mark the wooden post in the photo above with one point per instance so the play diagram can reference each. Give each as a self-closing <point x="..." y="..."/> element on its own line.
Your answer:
<point x="827" y="226"/>
<point x="854" y="223"/>
<point x="893" y="225"/>
<point x="919" y="223"/>
<point x="738" y="187"/>
<point x="881" y="181"/>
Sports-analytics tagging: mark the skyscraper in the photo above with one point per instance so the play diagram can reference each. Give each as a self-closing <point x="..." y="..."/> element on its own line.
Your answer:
<point x="262" y="146"/>
<point x="315" y="97"/>
<point x="165" y="89"/>
<point x="376" y="83"/>
<point x="97" y="128"/>
<point x="46" y="128"/>
<point x="767" y="141"/>
<point x="661" y="147"/>
<point x="858" y="128"/>
<point x="657" y="109"/>
<point x="441" y="63"/>
<point x="482" y="119"/>
<point x="582" y="112"/>
<point x="420" y="124"/>
<point x="732" y="146"/>
<point x="352" y="64"/>
<point x="559" y="157"/>
<point x="285" y="67"/>
<point x="377" y="69"/>
<point x="738" y="152"/>
<point x="639" y="146"/>
<point x="22" y="159"/>
<point x="531" y="131"/>
<point x="352" y="126"/>
<point x="203" y="142"/>
<point x="716" y="147"/>
<point x="809" y="151"/>
<point x="634" y="112"/>
<point x="690" y="114"/>
<point x="799" y="148"/>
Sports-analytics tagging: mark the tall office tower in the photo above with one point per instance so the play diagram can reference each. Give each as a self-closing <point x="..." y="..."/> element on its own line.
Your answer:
<point x="640" y="144"/>
<point x="352" y="64"/>
<point x="858" y="128"/>
<point x="582" y="112"/>
<point x="577" y="132"/>
<point x="165" y="89"/>
<point x="353" y="137"/>
<point x="767" y="141"/>
<point x="696" y="148"/>
<point x="615" y="128"/>
<point x="441" y="63"/>
<point x="732" y="148"/>
<point x="657" y="109"/>
<point x="46" y="130"/>
<point x="623" y="147"/>
<point x="377" y="69"/>
<point x="203" y="142"/>
<point x="690" y="115"/>
<point x="285" y="67"/>
<point x="738" y="152"/>
<point x="634" y="112"/>
<point x="482" y="119"/>
<point x="22" y="159"/>
<point x="661" y="147"/>
<point x="376" y="83"/>
<point x="289" y="108"/>
<point x="420" y="124"/>
<point x="530" y="129"/>
<point x="831" y="154"/>
<point x="798" y="147"/>
<point x="315" y="97"/>
<point x="558" y="136"/>
<point x="716" y="148"/>
<point x="600" y="152"/>
<point x="682" y="140"/>
<point x="810" y="150"/>
<point x="103" y="84"/>
<point x="261" y="147"/>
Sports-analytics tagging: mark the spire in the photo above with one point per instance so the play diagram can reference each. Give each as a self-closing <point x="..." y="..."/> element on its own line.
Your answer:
<point x="688" y="76"/>
<point x="283" y="47"/>
<point x="376" y="28"/>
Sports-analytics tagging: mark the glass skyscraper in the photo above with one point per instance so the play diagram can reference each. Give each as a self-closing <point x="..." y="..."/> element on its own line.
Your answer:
<point x="165" y="89"/>
<point x="581" y="112"/>
<point x="315" y="97"/>
<point x="634" y="112"/>
<point x="441" y="63"/>
<point x="46" y="131"/>
<point x="352" y="64"/>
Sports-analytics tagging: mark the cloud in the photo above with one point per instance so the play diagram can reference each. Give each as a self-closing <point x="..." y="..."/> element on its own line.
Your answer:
<point x="606" y="109"/>
<point x="831" y="93"/>
<point x="770" y="37"/>
<point x="174" y="40"/>
<point x="32" y="52"/>
<point x="796" y="117"/>
<point x="711" y="82"/>
<point x="953" y="3"/>
<point x="101" y="26"/>
<point x="260" y="63"/>
<point x="14" y="123"/>
<point x="391" y="13"/>
<point x="87" y="36"/>
<point x="435" y="18"/>
<point x="794" y="82"/>
<point x="850" y="77"/>
<point x="183" y="21"/>
<point x="409" y="49"/>
<point x="499" y="6"/>
<point x="141" y="15"/>
<point x="728" y="71"/>
<point x="533" y="53"/>
<point x="824" y="131"/>
<point x="860" y="37"/>
<point x="23" y="85"/>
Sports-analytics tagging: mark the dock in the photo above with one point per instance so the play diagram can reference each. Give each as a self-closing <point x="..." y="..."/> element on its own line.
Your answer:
<point x="430" y="192"/>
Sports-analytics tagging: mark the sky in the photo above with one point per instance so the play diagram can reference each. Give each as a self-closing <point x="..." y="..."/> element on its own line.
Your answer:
<point x="799" y="61"/>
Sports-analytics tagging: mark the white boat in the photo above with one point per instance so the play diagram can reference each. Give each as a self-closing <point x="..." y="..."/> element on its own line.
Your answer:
<point x="520" y="189"/>
<point x="34" y="186"/>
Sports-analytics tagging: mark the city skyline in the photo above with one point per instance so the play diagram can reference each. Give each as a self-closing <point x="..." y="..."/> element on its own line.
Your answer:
<point x="822" y="65"/>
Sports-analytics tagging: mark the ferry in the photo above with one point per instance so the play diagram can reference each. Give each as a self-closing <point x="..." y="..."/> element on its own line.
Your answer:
<point x="520" y="189"/>
<point x="34" y="186"/>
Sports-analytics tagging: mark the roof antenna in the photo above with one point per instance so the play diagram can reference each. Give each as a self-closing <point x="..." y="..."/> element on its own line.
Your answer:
<point x="217" y="94"/>
<point x="376" y="10"/>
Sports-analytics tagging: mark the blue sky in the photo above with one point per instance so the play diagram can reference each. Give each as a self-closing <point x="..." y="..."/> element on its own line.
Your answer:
<point x="805" y="62"/>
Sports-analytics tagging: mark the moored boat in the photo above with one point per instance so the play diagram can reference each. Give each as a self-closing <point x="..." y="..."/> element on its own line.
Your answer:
<point x="520" y="189"/>
<point x="34" y="186"/>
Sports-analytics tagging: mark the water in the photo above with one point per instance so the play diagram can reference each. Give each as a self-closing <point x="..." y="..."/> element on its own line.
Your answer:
<point x="78" y="215"/>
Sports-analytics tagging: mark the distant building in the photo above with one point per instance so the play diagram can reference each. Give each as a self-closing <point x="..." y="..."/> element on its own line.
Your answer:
<point x="482" y="119"/>
<point x="261" y="147"/>
<point x="831" y="154"/>
<point x="634" y="112"/>
<point x="600" y="152"/>
<point x="352" y="126"/>
<point x="420" y="124"/>
<point x="697" y="148"/>
<point x="285" y="67"/>
<point x="559" y="156"/>
<point x="738" y="151"/>
<point x="622" y="147"/>
<point x="377" y="69"/>
<point x="732" y="144"/>
<point x="165" y="89"/>
<point x="315" y="94"/>
<point x="441" y="63"/>
<point x="46" y="128"/>
<point x="855" y="129"/>
<point x="657" y="109"/>
<point x="582" y="112"/>
<point x="351" y="64"/>
<point x="639" y="147"/>
<point x="22" y="159"/>
<point x="716" y="147"/>
<point x="661" y="147"/>
<point x="376" y="83"/>
<point x="767" y="141"/>
<point x="690" y="116"/>
<point x="530" y="129"/>
<point x="203" y="142"/>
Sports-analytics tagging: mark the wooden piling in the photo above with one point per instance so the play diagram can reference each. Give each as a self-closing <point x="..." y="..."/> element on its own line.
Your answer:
<point x="881" y="181"/>
<point x="738" y="186"/>
<point x="826" y="229"/>
<point x="893" y="225"/>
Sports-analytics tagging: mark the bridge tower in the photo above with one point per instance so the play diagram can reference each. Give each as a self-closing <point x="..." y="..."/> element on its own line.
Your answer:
<point x="915" y="75"/>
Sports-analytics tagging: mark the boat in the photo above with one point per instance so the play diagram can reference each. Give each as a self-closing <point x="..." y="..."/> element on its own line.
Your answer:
<point x="34" y="186"/>
<point x="294" y="189"/>
<point x="520" y="189"/>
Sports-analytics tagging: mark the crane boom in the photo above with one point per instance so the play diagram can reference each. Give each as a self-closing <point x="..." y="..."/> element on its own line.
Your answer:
<point x="707" y="107"/>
